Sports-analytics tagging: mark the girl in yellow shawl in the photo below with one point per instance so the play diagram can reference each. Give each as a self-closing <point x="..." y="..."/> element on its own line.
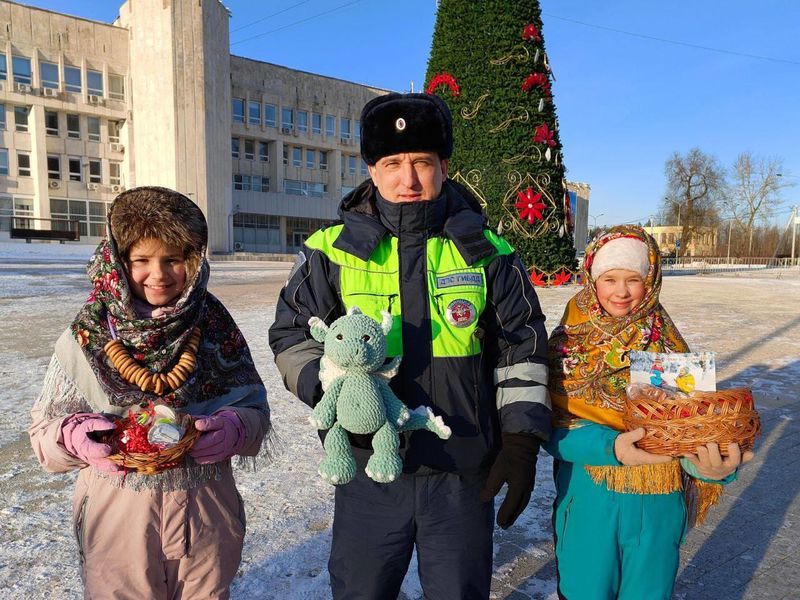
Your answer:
<point x="620" y="512"/>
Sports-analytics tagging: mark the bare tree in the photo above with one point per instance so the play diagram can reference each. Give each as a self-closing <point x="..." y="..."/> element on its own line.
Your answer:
<point x="694" y="185"/>
<point x="755" y="191"/>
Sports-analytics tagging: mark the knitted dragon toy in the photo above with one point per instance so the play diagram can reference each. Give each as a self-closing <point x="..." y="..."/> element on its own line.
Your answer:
<point x="358" y="398"/>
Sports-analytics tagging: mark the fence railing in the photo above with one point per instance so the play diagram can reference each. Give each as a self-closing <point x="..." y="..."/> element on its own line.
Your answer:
<point x="707" y="264"/>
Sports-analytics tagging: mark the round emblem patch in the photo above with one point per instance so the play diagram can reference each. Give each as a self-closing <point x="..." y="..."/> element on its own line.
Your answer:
<point x="400" y="124"/>
<point x="461" y="313"/>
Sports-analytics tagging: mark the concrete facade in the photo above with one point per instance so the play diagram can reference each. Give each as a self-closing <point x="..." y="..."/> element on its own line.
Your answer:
<point x="579" y="205"/>
<point x="90" y="109"/>
<point x="703" y="240"/>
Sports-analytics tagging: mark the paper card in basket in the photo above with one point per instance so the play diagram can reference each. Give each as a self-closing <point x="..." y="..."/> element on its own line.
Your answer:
<point x="687" y="372"/>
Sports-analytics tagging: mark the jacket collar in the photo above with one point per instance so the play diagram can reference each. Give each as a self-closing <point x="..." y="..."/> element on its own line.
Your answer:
<point x="363" y="230"/>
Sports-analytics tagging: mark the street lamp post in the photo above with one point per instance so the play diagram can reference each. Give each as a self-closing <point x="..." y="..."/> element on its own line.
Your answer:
<point x="594" y="219"/>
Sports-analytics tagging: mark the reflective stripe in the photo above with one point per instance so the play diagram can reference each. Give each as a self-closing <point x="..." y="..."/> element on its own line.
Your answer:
<point x="293" y="360"/>
<point x="534" y="394"/>
<point x="524" y="371"/>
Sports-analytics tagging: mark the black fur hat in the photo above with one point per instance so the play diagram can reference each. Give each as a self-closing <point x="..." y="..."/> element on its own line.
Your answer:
<point x="397" y="123"/>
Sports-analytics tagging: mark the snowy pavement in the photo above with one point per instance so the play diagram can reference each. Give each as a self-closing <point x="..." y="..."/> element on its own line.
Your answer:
<point x="747" y="549"/>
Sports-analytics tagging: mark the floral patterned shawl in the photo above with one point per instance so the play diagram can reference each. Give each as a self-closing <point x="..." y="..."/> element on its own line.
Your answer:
<point x="223" y="360"/>
<point x="589" y="364"/>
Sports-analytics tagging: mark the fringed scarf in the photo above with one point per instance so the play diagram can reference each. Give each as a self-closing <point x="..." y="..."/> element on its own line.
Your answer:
<point x="590" y="368"/>
<point x="225" y="373"/>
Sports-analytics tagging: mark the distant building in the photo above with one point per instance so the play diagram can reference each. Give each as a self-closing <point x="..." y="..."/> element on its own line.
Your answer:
<point x="703" y="240"/>
<point x="88" y="109"/>
<point x="579" y="206"/>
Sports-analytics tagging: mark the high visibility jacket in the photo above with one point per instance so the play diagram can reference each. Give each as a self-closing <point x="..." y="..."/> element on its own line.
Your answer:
<point x="467" y="321"/>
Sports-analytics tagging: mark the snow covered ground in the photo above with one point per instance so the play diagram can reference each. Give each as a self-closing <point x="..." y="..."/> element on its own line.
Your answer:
<point x="289" y="507"/>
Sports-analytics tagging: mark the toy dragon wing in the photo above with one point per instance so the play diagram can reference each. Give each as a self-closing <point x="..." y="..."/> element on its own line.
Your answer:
<point x="328" y="372"/>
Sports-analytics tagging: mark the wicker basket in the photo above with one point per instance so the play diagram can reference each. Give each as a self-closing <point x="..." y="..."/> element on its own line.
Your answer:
<point x="156" y="462"/>
<point x="677" y="423"/>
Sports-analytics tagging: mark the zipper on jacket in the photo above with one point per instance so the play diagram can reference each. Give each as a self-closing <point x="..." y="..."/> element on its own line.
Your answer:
<point x="80" y="529"/>
<point x="476" y="372"/>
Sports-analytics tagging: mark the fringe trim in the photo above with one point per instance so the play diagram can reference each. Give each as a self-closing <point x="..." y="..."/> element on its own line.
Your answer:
<point x="700" y="496"/>
<point x="270" y="448"/>
<point x="171" y="480"/>
<point x="641" y="479"/>
<point x="60" y="395"/>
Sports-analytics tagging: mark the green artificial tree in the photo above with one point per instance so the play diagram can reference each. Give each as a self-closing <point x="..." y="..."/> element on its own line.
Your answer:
<point x="488" y="62"/>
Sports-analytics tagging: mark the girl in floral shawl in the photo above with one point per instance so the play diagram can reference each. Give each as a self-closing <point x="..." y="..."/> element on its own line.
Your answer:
<point x="620" y="513"/>
<point x="178" y="533"/>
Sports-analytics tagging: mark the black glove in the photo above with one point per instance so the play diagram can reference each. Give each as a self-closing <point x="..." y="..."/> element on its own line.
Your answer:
<point x="515" y="465"/>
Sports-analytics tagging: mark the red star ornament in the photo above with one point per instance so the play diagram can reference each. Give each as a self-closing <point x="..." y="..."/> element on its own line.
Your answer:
<point x="530" y="205"/>
<point x="543" y="135"/>
<point x="530" y="32"/>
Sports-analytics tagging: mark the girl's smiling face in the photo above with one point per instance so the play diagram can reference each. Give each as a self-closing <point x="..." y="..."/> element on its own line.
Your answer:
<point x="619" y="291"/>
<point x="157" y="271"/>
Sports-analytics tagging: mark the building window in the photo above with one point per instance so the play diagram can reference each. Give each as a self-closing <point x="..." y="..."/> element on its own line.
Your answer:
<point x="310" y="158"/>
<point x="94" y="82"/>
<point x="254" y="113"/>
<point x="351" y="164"/>
<point x="241" y="182"/>
<point x="114" y="130"/>
<point x="237" y="109"/>
<point x="116" y="87"/>
<point x="49" y="73"/>
<point x="285" y="154"/>
<point x="287" y="120"/>
<point x="3" y="161"/>
<point x="357" y="131"/>
<point x="249" y="149"/>
<point x="51" y="122"/>
<point x="73" y="127"/>
<point x="263" y="151"/>
<point x="364" y="170"/>
<point x="114" y="173"/>
<point x="297" y="157"/>
<point x="2" y="117"/>
<point x="323" y="160"/>
<point x="53" y="166"/>
<point x="260" y="184"/>
<point x="270" y="115"/>
<point x="235" y="147"/>
<point x="23" y="164"/>
<point x="72" y="79"/>
<point x="316" y="123"/>
<point x="74" y="167"/>
<point x="76" y="210"/>
<point x="93" y="128"/>
<point x="304" y="188"/>
<point x="97" y="218"/>
<point x="3" y="67"/>
<point x="302" y="121"/>
<point x="21" y="118"/>
<point x="22" y="69"/>
<point x="330" y="125"/>
<point x="345" y="126"/>
<point x="95" y="171"/>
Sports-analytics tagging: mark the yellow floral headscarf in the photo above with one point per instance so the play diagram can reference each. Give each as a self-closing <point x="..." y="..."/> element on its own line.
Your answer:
<point x="589" y="362"/>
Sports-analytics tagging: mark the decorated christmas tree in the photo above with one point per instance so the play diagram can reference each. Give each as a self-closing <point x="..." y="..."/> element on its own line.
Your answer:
<point x="488" y="62"/>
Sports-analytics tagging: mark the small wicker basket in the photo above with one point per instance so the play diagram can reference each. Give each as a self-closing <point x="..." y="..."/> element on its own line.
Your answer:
<point x="677" y="423"/>
<point x="156" y="462"/>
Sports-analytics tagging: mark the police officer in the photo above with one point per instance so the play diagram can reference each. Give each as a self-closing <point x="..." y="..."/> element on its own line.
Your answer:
<point x="470" y="331"/>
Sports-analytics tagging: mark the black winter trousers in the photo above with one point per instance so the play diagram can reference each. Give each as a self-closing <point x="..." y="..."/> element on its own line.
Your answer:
<point x="377" y="525"/>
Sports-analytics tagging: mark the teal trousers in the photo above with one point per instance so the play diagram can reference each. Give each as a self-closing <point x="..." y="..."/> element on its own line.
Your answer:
<point x="611" y="545"/>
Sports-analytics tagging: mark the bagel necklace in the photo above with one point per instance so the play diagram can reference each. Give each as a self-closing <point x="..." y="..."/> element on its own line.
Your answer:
<point x="161" y="383"/>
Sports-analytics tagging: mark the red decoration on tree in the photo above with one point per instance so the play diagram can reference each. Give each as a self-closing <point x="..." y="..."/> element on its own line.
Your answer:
<point x="444" y="79"/>
<point x="530" y="205"/>
<point x="530" y="32"/>
<point x="537" y="79"/>
<point x="537" y="279"/>
<point x="543" y="135"/>
<point x="562" y="277"/>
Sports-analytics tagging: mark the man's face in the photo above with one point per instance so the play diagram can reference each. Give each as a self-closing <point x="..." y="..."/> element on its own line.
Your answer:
<point x="409" y="176"/>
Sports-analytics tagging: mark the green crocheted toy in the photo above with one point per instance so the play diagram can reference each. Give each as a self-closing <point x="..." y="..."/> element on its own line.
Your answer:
<point x="358" y="398"/>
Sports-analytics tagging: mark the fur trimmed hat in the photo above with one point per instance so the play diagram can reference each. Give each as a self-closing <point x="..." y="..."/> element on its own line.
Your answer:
<point x="621" y="253"/>
<point x="397" y="123"/>
<point x="159" y="213"/>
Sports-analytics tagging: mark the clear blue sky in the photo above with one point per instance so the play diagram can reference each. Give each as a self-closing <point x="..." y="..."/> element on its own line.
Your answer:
<point x="624" y="103"/>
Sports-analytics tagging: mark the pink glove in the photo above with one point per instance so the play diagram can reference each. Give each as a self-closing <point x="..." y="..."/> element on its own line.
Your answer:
<point x="74" y="432"/>
<point x="223" y="436"/>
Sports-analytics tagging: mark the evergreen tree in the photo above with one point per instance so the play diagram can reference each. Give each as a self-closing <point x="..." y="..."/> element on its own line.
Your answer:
<point x="488" y="62"/>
